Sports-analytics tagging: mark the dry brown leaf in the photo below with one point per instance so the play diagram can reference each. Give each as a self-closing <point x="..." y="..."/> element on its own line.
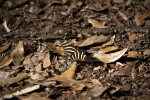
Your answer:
<point x="133" y="37"/>
<point x="55" y="49"/>
<point x="94" y="92"/>
<point x="23" y="91"/>
<point x="118" y="22"/>
<point x="66" y="82"/>
<point x="107" y="44"/>
<point x="123" y="15"/>
<point x="92" y="40"/>
<point x="133" y="54"/>
<point x="133" y="73"/>
<point x="33" y="96"/>
<point x="138" y="18"/>
<point x="70" y="72"/>
<point x="108" y="49"/>
<point x="18" y="54"/>
<point x="3" y="48"/>
<point x="28" y="64"/>
<point x="109" y="58"/>
<point x="35" y="60"/>
<point x="16" y="67"/>
<point x="46" y="62"/>
<point x="146" y="52"/>
<point x="6" y="61"/>
<point x="118" y="1"/>
<point x="96" y="23"/>
<point x="96" y="6"/>
<point x="146" y="14"/>
<point x="126" y="70"/>
<point x="13" y="80"/>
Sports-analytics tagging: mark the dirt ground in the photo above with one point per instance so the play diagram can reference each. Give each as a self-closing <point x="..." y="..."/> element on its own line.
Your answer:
<point x="75" y="49"/>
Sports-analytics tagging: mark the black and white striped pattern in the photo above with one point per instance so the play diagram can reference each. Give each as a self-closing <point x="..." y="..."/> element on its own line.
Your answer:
<point x="73" y="52"/>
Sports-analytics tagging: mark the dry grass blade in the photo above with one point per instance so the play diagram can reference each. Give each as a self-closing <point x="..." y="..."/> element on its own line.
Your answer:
<point x="109" y="58"/>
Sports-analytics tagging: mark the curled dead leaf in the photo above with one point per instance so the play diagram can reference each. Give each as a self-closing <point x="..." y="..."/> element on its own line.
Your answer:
<point x="109" y="58"/>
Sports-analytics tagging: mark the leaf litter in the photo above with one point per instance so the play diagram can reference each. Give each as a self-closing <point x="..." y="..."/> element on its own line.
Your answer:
<point x="36" y="67"/>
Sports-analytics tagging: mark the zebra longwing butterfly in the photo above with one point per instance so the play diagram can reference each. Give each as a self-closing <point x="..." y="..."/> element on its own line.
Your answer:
<point x="73" y="52"/>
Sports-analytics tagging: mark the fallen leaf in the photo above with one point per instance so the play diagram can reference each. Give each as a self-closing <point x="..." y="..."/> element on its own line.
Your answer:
<point x="3" y="48"/>
<point x="92" y="40"/>
<point x="13" y="80"/>
<point x="37" y="76"/>
<point x="119" y="88"/>
<point x="126" y="70"/>
<point x="66" y="82"/>
<point x="16" y="67"/>
<point x="23" y="91"/>
<point x="109" y="58"/>
<point x="123" y="15"/>
<point x="33" y="96"/>
<point x="133" y="73"/>
<point x="146" y="14"/>
<point x="96" y="24"/>
<point x="146" y="52"/>
<point x="46" y="62"/>
<point x="55" y="49"/>
<point x="95" y="92"/>
<point x="144" y="97"/>
<point x="6" y="61"/>
<point x="118" y="1"/>
<point x="35" y="60"/>
<point x="138" y="18"/>
<point x="96" y="6"/>
<point x="18" y="54"/>
<point x="70" y="73"/>
<point x="133" y="37"/>
<point x="133" y="54"/>
<point x="118" y="22"/>
<point x="108" y="49"/>
<point x="38" y="68"/>
<point x="28" y="64"/>
<point x="4" y="75"/>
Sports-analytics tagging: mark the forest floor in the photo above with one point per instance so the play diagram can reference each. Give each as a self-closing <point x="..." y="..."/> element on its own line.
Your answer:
<point x="75" y="49"/>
